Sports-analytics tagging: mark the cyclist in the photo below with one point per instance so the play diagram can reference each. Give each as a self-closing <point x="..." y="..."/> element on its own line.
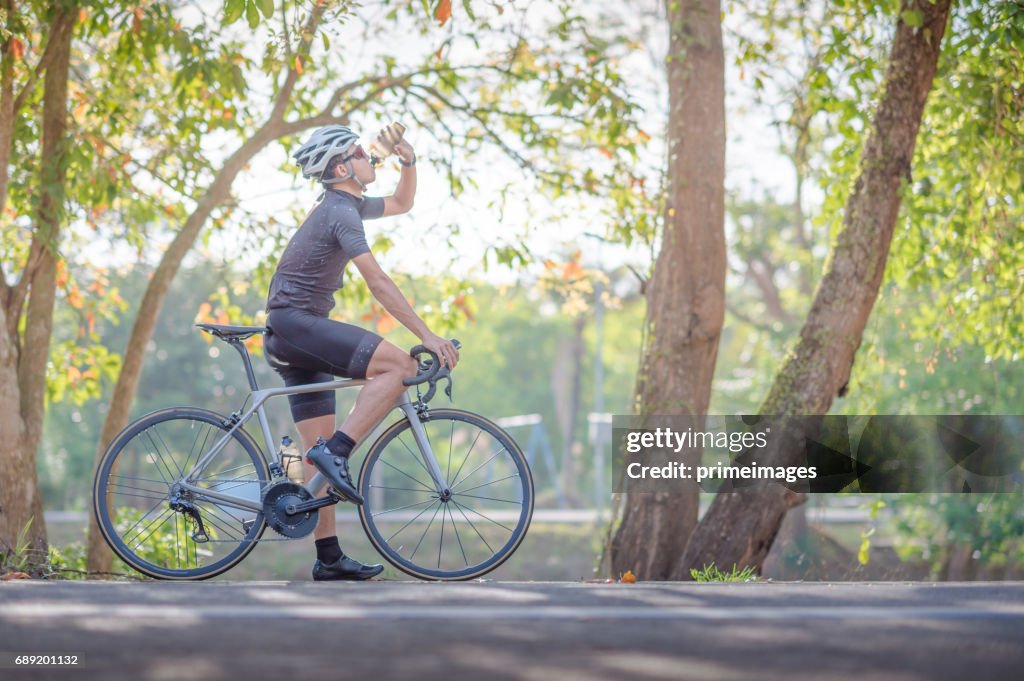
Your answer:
<point x="304" y="346"/>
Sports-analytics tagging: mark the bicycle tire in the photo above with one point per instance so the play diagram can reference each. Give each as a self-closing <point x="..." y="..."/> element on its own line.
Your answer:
<point x="370" y="512"/>
<point x="104" y="488"/>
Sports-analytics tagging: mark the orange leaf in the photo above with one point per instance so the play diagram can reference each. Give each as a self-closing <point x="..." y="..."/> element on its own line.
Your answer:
<point x="572" y="270"/>
<point x="15" y="575"/>
<point x="17" y="49"/>
<point x="606" y="152"/>
<point x="74" y="375"/>
<point x="75" y="298"/>
<point x="386" y="323"/>
<point x="628" y="577"/>
<point x="137" y="20"/>
<point x="460" y="303"/>
<point x="443" y="11"/>
<point x="298" y="65"/>
<point x="204" y="311"/>
<point x="62" y="274"/>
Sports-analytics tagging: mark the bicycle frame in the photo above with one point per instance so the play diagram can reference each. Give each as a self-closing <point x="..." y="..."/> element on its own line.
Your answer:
<point x="318" y="482"/>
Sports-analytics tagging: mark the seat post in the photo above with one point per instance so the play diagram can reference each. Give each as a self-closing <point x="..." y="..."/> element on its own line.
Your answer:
<point x="249" y="373"/>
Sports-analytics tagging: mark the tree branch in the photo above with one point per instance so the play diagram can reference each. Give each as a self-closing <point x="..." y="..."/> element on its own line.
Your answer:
<point x="284" y="95"/>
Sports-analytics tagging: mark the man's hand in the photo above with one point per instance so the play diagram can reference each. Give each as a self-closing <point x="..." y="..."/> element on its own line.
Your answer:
<point x="444" y="348"/>
<point x="405" y="152"/>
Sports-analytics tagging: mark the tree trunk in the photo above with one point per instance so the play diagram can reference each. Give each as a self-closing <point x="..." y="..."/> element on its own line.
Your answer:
<point x="686" y="295"/>
<point x="23" y="360"/>
<point x="740" y="527"/>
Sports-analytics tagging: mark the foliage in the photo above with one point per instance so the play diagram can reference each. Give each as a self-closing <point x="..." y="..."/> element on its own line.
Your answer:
<point x="864" y="552"/>
<point x="711" y="573"/>
<point x="931" y="527"/>
<point x="16" y="558"/>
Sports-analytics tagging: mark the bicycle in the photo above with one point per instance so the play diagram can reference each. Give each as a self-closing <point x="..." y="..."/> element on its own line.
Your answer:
<point x="185" y="493"/>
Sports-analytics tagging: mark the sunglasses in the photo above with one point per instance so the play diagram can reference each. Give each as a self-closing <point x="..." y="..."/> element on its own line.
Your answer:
<point x="359" y="153"/>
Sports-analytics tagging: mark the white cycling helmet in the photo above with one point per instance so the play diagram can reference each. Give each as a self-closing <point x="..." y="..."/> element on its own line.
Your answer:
<point x="323" y="145"/>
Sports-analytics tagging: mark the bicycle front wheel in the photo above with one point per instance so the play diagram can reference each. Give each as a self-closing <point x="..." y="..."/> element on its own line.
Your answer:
<point x="146" y="518"/>
<point x="465" y="534"/>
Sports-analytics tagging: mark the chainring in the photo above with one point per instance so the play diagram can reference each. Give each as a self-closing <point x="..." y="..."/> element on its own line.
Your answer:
<point x="278" y="497"/>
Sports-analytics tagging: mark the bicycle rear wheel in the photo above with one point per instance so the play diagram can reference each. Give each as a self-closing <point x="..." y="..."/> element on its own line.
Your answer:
<point x="467" y="534"/>
<point x="136" y="480"/>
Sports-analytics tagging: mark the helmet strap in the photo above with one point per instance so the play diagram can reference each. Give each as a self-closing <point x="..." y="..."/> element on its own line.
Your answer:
<point x="351" y="176"/>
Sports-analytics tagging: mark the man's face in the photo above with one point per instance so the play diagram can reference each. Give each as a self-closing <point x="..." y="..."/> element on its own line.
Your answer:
<point x="360" y="165"/>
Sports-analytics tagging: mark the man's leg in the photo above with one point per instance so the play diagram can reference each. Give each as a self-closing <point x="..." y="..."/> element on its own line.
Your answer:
<point x="388" y="367"/>
<point x="309" y="431"/>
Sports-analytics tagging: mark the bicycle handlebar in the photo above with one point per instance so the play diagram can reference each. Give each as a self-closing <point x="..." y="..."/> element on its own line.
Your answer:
<point x="435" y="365"/>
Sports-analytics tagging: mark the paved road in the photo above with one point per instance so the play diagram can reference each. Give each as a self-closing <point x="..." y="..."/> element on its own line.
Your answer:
<point x="500" y="631"/>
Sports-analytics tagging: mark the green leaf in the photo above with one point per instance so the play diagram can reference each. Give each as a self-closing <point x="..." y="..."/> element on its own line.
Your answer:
<point x="267" y="7"/>
<point x="252" y="14"/>
<point x="232" y="10"/>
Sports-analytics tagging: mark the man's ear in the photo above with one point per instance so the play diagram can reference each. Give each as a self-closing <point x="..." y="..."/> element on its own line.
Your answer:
<point x="341" y="171"/>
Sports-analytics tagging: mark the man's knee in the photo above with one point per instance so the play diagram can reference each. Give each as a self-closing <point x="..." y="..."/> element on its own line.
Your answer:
<point x="409" y="366"/>
<point x="390" y="359"/>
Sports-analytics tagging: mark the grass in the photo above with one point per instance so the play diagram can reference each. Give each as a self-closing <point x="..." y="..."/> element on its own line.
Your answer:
<point x="711" y="573"/>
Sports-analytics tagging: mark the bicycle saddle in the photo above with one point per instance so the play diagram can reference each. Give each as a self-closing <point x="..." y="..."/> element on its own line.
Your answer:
<point x="228" y="332"/>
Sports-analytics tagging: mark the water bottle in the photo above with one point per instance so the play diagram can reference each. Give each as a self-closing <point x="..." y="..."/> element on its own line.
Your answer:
<point x="384" y="145"/>
<point x="291" y="460"/>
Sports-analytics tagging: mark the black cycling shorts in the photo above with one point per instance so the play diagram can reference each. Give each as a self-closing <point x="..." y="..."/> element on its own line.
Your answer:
<point x="305" y="348"/>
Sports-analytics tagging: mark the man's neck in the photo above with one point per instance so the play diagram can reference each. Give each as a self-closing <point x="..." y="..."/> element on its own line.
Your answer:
<point x="349" y="187"/>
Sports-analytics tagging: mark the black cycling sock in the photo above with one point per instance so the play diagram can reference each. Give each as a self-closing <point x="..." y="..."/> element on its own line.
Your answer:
<point x="340" y="444"/>
<point x="327" y="550"/>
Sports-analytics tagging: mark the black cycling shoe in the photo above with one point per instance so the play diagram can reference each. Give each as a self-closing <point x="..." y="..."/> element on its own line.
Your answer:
<point x="344" y="568"/>
<point x="335" y="469"/>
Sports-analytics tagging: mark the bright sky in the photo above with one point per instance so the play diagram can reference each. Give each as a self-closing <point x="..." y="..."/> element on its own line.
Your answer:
<point x="752" y="158"/>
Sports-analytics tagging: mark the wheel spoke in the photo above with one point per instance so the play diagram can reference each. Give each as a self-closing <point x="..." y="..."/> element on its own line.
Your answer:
<point x="474" y="496"/>
<point x="134" y="477"/>
<point x="424" y="533"/>
<point x="202" y="448"/>
<point x="137" y="489"/>
<point x="139" y="521"/>
<point x="451" y="439"/>
<point x="162" y="518"/>
<point x="414" y="458"/>
<point x="142" y="496"/>
<point x="457" y="537"/>
<point x="402" y="508"/>
<point x="466" y="457"/>
<point x="440" y="545"/>
<point x="468" y="475"/>
<point x="412" y="521"/>
<point x="468" y="508"/>
<point x="429" y="489"/>
<point x="507" y="477"/>
<point x="472" y="525"/>
<point x="170" y="455"/>
<point x="157" y="456"/>
<point x="404" y="489"/>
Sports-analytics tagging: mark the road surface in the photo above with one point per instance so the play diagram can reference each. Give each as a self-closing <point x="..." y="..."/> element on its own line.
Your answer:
<point x="504" y="631"/>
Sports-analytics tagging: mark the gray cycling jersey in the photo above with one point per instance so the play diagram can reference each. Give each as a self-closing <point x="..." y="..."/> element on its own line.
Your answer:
<point x="312" y="266"/>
